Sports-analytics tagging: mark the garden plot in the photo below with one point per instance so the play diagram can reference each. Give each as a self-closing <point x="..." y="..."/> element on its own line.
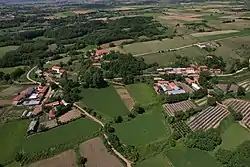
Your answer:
<point x="203" y="34"/>
<point x="70" y="115"/>
<point x="65" y="159"/>
<point x="179" y="17"/>
<point x="125" y="96"/>
<point x="245" y="84"/>
<point x="181" y="127"/>
<point x="240" y="106"/>
<point x="97" y="154"/>
<point x="233" y="88"/>
<point x="172" y="108"/>
<point x="208" y="118"/>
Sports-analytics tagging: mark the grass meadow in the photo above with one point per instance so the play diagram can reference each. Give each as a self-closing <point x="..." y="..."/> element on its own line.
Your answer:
<point x="105" y="101"/>
<point x="12" y="135"/>
<point x="157" y="161"/>
<point x="187" y="157"/>
<point x="11" y="69"/>
<point x="80" y="129"/>
<point x="5" y="49"/>
<point x="143" y="129"/>
<point x="234" y="136"/>
<point x="142" y="93"/>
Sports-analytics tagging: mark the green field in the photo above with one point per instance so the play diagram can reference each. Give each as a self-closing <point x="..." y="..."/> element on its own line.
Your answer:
<point x="12" y="135"/>
<point x="14" y="164"/>
<point x="201" y="102"/>
<point x="64" y="14"/>
<point x="80" y="129"/>
<point x="155" y="46"/>
<point x="144" y="129"/>
<point x="157" y="161"/>
<point x="5" y="49"/>
<point x="187" y="157"/>
<point x="234" y="136"/>
<point x="142" y="93"/>
<point x="11" y="69"/>
<point x="105" y="101"/>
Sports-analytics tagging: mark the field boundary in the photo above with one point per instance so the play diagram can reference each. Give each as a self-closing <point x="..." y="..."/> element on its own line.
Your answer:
<point x="123" y="92"/>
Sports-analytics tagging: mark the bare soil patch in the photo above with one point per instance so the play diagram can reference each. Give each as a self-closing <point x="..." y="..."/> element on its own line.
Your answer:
<point x="179" y="17"/>
<point x="203" y="34"/>
<point x="97" y="154"/>
<point x="123" y="9"/>
<point x="65" y="159"/>
<point x="50" y="124"/>
<point x="233" y="88"/>
<point x="125" y="96"/>
<point x="70" y="115"/>
<point x="82" y="11"/>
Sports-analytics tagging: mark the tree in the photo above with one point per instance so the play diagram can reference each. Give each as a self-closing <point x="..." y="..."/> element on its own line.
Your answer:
<point x="241" y="91"/>
<point x="211" y="101"/>
<point x="118" y="119"/>
<point x="93" y="77"/>
<point x="19" y="156"/>
<point x="111" y="44"/>
<point x="6" y="77"/>
<point x="224" y="156"/>
<point x="176" y="135"/>
<point x="138" y="110"/>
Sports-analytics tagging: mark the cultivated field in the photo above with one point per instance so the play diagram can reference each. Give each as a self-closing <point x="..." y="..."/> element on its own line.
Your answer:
<point x="233" y="88"/>
<point x="245" y="84"/>
<point x="208" y="118"/>
<point x="70" y="115"/>
<point x="97" y="154"/>
<point x="203" y="34"/>
<point x="240" y="106"/>
<point x="149" y="126"/>
<point x="83" y="11"/>
<point x="10" y="91"/>
<point x="187" y="157"/>
<point x="5" y="49"/>
<point x="201" y="102"/>
<point x="12" y="135"/>
<point x="180" y="17"/>
<point x="181" y="127"/>
<point x="65" y="159"/>
<point x="78" y="130"/>
<point x="234" y="136"/>
<point x="11" y="69"/>
<point x="172" y="108"/>
<point x="105" y="101"/>
<point x="142" y="93"/>
<point x="125" y="96"/>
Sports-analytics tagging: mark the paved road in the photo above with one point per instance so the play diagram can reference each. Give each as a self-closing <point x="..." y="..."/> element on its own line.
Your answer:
<point x="28" y="76"/>
<point x="106" y="137"/>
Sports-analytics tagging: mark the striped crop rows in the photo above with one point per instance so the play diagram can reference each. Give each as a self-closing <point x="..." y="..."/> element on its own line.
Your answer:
<point x="181" y="127"/>
<point x="170" y="109"/>
<point x="208" y="118"/>
<point x="240" y="106"/>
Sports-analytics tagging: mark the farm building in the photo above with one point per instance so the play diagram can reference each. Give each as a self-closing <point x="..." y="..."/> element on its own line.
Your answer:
<point x="58" y="70"/>
<point x="52" y="113"/>
<point x="168" y="87"/>
<point x="37" y="110"/>
<point x="189" y="81"/>
<point x="55" y="103"/>
<point x="99" y="54"/>
<point x="22" y="95"/>
<point x="195" y="86"/>
<point x="32" y="126"/>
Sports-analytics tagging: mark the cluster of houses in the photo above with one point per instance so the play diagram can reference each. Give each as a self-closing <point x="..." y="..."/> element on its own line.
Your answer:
<point x="168" y="87"/>
<point x="31" y="96"/>
<point x="97" y="56"/>
<point x="192" y="71"/>
<point x="53" y="106"/>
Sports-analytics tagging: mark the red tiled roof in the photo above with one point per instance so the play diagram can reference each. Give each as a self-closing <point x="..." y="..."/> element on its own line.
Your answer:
<point x="100" y="52"/>
<point x="52" y="113"/>
<point x="189" y="68"/>
<point x="42" y="89"/>
<point x="22" y="94"/>
<point x="37" y="110"/>
<point x="55" y="103"/>
<point x="56" y="67"/>
<point x="188" y="80"/>
<point x="61" y="71"/>
<point x="203" y="67"/>
<point x="162" y="82"/>
<point x="172" y="84"/>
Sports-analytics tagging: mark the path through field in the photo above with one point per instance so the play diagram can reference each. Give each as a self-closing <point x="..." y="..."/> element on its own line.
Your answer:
<point x="128" y="164"/>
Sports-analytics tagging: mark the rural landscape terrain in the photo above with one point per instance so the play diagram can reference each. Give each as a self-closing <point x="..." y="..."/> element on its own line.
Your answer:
<point x="124" y="84"/>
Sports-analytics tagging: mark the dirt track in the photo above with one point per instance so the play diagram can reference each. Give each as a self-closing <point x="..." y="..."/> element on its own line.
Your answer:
<point x="97" y="154"/>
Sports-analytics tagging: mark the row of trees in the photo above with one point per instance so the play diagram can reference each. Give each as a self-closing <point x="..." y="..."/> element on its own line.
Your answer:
<point x="13" y="75"/>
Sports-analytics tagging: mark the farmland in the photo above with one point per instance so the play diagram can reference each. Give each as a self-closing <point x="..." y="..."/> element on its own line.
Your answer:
<point x="83" y="129"/>
<point x="6" y="49"/>
<point x="143" y="94"/>
<point x="181" y="128"/>
<point x="240" y="106"/>
<point x="97" y="154"/>
<point x="144" y="126"/>
<point x="9" y="91"/>
<point x="125" y="96"/>
<point x="187" y="157"/>
<point x="12" y="136"/>
<point x="105" y="100"/>
<point x="208" y="118"/>
<point x="234" y="136"/>
<point x="11" y="69"/>
<point x="65" y="159"/>
<point x="170" y="109"/>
